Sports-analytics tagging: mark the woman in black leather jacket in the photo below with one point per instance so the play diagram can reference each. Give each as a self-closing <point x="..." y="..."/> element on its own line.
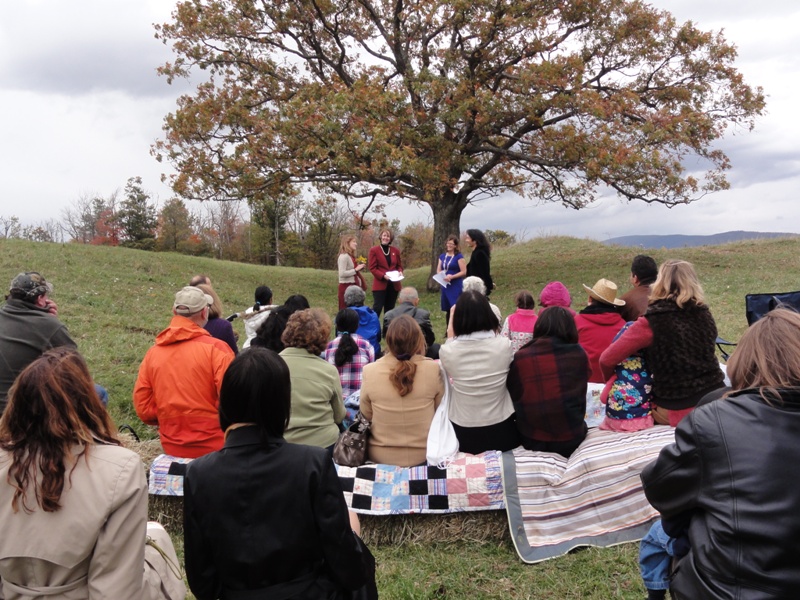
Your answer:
<point x="733" y="475"/>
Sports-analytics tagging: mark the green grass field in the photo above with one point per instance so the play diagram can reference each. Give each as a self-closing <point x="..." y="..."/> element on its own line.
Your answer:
<point x="115" y="300"/>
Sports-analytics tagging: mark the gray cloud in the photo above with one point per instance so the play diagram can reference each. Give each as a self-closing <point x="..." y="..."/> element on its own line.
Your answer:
<point x="82" y="67"/>
<point x="83" y="47"/>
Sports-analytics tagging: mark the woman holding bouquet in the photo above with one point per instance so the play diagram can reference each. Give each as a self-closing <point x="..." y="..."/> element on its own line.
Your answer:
<point x="349" y="267"/>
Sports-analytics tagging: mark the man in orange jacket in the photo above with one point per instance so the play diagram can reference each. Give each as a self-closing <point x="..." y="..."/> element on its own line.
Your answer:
<point x="180" y="377"/>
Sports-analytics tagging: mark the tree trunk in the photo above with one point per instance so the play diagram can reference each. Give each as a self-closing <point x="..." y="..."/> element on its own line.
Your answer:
<point x="446" y="221"/>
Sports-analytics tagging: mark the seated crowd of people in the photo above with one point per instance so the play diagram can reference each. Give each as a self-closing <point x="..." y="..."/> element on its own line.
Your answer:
<point x="273" y="411"/>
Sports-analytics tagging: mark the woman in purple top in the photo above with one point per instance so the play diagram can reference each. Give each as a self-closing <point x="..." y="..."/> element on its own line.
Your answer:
<point x="216" y="326"/>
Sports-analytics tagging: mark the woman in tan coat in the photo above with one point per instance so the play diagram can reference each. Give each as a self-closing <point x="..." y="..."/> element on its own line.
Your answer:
<point x="399" y="394"/>
<point x="73" y="502"/>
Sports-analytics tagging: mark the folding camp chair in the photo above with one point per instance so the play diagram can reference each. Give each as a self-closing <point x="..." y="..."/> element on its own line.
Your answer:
<point x="722" y="345"/>
<point x="757" y="305"/>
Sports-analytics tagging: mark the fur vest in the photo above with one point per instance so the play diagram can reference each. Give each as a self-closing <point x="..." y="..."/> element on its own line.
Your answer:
<point x="682" y="358"/>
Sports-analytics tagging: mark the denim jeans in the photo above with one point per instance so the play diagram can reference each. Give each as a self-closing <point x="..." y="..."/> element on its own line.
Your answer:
<point x="102" y="393"/>
<point x="655" y="558"/>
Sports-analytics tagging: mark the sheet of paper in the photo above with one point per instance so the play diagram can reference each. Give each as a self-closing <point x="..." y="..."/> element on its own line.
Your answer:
<point x="439" y="278"/>
<point x="394" y="276"/>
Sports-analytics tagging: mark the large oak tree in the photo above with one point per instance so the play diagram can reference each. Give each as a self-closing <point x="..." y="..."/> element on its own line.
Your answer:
<point x="447" y="101"/>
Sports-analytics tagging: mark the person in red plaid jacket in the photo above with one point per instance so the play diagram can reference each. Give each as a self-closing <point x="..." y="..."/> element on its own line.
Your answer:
<point x="547" y="382"/>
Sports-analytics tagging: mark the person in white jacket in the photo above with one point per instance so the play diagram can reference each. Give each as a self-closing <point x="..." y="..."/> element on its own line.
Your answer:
<point x="255" y="315"/>
<point x="478" y="360"/>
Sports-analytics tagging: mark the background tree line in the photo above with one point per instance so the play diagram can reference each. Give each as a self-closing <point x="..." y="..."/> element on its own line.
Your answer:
<point x="280" y="230"/>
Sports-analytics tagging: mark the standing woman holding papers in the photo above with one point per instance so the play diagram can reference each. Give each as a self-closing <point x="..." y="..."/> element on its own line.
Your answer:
<point x="387" y="272"/>
<point x="452" y="269"/>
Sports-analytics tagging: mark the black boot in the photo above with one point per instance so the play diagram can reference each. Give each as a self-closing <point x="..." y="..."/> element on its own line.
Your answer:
<point x="656" y="594"/>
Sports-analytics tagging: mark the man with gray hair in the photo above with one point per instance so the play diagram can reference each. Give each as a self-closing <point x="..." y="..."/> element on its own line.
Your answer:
<point x="369" y="326"/>
<point x="477" y="284"/>
<point x="180" y="377"/>
<point x="408" y="304"/>
<point x="29" y="326"/>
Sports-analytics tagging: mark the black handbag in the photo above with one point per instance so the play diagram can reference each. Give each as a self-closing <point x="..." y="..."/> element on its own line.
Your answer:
<point x="350" y="449"/>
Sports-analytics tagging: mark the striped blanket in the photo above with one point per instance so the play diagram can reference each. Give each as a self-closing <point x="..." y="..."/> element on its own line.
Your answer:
<point x="166" y="475"/>
<point x="593" y="499"/>
<point x="469" y="483"/>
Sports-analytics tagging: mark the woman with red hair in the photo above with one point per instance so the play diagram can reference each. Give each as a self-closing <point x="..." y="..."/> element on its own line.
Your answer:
<point x="73" y="502"/>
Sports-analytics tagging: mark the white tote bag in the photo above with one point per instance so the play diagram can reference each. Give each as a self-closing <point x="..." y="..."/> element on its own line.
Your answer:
<point x="442" y="440"/>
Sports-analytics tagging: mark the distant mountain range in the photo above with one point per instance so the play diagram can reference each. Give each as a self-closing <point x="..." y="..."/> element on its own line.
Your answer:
<point x="682" y="241"/>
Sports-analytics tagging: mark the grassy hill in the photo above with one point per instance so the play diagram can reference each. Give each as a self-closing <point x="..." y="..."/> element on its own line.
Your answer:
<point x="115" y="300"/>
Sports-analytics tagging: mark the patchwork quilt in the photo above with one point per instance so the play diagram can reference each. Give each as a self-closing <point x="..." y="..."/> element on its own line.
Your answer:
<point x="593" y="499"/>
<point x="470" y="483"/>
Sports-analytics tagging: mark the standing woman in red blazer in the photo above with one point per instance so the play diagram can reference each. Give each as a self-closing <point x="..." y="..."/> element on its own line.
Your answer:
<point x="383" y="258"/>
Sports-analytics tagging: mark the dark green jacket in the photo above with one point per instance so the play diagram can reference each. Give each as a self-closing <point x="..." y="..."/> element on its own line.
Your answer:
<point x="26" y="332"/>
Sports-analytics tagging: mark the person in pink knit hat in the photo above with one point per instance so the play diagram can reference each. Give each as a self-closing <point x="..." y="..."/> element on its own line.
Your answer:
<point x="555" y="293"/>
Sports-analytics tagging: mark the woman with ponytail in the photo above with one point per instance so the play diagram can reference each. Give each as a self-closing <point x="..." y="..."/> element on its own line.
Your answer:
<point x="349" y="353"/>
<point x="255" y="316"/>
<point x="399" y="395"/>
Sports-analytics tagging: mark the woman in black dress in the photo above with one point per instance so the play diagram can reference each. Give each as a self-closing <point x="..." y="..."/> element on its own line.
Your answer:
<point x="480" y="261"/>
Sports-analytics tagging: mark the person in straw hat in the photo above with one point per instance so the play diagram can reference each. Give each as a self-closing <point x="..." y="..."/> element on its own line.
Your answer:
<point x="598" y="323"/>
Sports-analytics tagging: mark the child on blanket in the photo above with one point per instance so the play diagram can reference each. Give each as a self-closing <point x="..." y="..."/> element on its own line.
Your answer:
<point x="627" y="393"/>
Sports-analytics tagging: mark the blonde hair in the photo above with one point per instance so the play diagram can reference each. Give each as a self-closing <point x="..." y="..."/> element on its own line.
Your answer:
<point x="215" y="310"/>
<point x="677" y="281"/>
<point x="768" y="355"/>
<point x="345" y="243"/>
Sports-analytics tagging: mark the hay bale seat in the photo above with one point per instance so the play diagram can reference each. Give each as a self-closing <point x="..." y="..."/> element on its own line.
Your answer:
<point x="167" y="510"/>
<point x="489" y="526"/>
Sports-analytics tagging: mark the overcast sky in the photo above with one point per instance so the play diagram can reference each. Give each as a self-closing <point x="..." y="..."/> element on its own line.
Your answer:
<point x="82" y="105"/>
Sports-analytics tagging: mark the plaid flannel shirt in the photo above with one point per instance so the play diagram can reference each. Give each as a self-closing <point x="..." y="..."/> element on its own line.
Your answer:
<point x="350" y="372"/>
<point x="547" y="382"/>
